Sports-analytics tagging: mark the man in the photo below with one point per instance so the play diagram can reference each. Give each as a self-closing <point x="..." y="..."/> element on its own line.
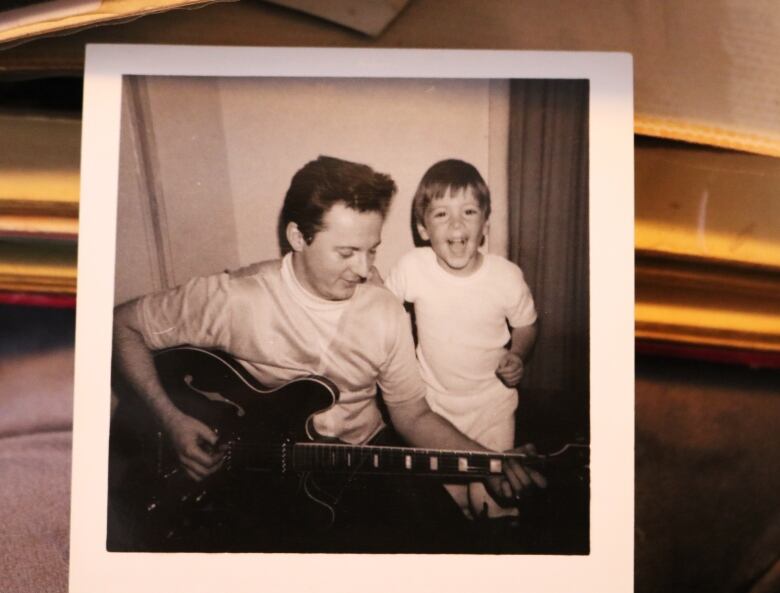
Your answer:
<point x="312" y="312"/>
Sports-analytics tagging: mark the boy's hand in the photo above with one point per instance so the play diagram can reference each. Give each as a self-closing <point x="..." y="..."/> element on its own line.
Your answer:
<point x="510" y="369"/>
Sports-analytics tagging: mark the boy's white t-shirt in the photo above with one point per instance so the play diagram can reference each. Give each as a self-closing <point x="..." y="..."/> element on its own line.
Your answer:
<point x="462" y="334"/>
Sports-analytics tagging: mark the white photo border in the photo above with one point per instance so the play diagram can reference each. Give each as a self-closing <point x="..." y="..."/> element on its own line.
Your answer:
<point x="608" y="567"/>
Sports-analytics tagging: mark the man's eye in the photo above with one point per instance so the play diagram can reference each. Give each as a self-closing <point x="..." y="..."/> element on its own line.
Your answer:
<point x="345" y="253"/>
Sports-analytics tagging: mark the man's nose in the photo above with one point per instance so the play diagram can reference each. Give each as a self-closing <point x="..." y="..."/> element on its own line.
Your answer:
<point x="361" y="265"/>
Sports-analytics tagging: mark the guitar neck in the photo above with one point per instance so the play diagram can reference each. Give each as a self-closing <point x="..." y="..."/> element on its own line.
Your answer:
<point x="343" y="458"/>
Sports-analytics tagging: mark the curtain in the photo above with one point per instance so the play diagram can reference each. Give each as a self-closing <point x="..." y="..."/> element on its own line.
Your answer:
<point x="548" y="233"/>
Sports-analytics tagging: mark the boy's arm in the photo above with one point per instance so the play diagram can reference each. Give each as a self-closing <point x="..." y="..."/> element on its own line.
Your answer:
<point x="395" y="282"/>
<point x="511" y="367"/>
<point x="374" y="277"/>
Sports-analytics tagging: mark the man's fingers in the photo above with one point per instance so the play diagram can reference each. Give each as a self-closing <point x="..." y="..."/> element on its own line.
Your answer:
<point x="208" y="435"/>
<point x="518" y="477"/>
<point x="506" y="489"/>
<point x="194" y="470"/>
<point x="522" y="477"/>
<point x="537" y="478"/>
<point x="529" y="449"/>
<point x="195" y="453"/>
<point x="199" y="467"/>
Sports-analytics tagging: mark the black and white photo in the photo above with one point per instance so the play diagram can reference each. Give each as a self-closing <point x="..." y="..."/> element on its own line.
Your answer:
<point x="354" y="302"/>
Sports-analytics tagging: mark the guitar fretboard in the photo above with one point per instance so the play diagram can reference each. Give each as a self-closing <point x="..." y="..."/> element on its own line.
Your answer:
<point x="394" y="460"/>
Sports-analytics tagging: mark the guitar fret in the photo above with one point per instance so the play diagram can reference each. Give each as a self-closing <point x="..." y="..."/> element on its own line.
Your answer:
<point x="382" y="459"/>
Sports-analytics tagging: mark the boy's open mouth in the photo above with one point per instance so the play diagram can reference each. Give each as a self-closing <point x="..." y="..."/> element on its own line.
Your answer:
<point x="458" y="245"/>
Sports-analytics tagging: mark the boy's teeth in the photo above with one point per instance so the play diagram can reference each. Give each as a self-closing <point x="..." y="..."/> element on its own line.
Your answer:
<point x="457" y="245"/>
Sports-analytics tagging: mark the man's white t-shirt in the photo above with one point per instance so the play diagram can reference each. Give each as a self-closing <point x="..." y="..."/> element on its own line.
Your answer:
<point x="268" y="322"/>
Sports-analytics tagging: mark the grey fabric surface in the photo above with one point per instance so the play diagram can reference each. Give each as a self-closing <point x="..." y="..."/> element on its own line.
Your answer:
<point x="36" y="410"/>
<point x="707" y="514"/>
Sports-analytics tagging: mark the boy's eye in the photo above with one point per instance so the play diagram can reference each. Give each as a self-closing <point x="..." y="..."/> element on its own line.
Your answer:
<point x="439" y="214"/>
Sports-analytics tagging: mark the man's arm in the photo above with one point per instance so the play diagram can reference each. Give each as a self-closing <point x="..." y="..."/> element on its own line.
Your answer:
<point x="422" y="427"/>
<point x="512" y="365"/>
<point x="192" y="440"/>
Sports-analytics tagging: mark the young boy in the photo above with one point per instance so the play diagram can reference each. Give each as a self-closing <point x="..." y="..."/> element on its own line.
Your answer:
<point x="465" y="303"/>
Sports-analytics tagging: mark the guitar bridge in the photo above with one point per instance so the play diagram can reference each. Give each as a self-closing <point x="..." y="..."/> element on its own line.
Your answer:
<point x="285" y="456"/>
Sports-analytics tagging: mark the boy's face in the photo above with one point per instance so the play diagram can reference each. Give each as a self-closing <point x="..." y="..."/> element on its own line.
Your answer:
<point x="455" y="226"/>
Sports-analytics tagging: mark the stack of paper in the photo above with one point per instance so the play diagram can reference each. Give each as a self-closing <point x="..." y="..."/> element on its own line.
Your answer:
<point x="39" y="197"/>
<point x="708" y="246"/>
<point x="22" y="20"/>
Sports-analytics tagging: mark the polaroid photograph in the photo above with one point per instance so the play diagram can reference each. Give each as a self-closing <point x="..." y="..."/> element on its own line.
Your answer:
<point x="354" y="318"/>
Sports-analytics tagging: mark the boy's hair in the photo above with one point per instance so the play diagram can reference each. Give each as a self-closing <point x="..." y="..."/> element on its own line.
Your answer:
<point x="453" y="175"/>
<point x="320" y="184"/>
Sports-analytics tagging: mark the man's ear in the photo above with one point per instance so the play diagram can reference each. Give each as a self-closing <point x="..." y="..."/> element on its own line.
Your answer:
<point x="423" y="232"/>
<point x="295" y="236"/>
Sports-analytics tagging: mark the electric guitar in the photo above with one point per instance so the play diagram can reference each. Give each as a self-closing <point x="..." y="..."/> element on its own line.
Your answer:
<point x="275" y="463"/>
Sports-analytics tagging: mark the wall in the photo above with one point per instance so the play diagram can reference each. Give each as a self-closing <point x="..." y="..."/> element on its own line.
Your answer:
<point x="218" y="156"/>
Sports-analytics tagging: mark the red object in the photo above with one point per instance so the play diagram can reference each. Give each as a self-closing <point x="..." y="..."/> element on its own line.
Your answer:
<point x="751" y="358"/>
<point x="33" y="299"/>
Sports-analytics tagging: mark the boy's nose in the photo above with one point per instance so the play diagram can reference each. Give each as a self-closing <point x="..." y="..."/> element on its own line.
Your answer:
<point x="456" y="222"/>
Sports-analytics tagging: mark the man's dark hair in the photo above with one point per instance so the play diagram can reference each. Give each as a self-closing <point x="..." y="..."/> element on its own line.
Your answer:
<point x="320" y="184"/>
<point x="453" y="175"/>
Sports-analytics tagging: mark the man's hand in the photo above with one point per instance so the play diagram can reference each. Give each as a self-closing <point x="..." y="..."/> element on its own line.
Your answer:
<point x="510" y="369"/>
<point x="195" y="445"/>
<point x="422" y="427"/>
<point x="518" y="480"/>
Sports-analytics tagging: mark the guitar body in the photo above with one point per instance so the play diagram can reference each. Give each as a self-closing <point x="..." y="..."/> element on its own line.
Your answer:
<point x="256" y="485"/>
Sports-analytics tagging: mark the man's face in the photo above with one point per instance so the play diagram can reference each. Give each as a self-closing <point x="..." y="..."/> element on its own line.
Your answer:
<point x="341" y="254"/>
<point x="455" y="226"/>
